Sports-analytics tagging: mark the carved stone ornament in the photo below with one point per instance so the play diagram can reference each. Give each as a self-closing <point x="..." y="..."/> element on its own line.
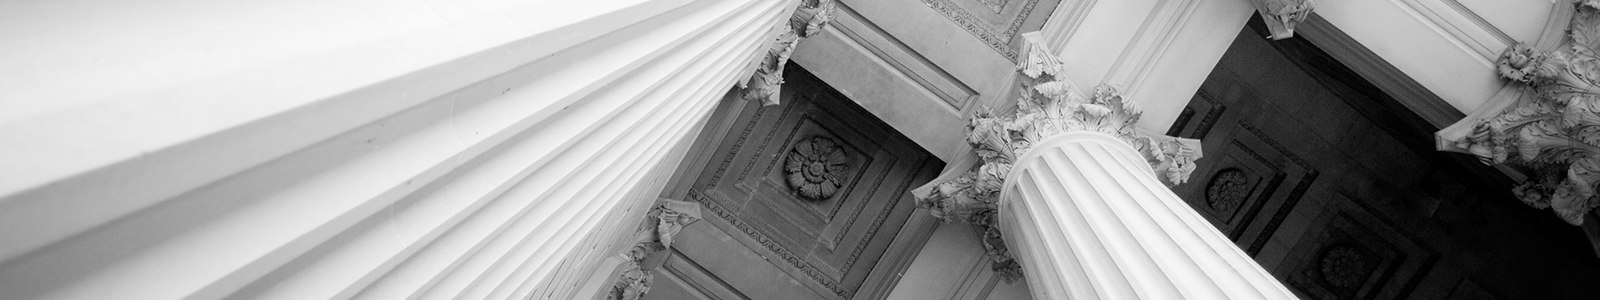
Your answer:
<point x="1282" y="15"/>
<point x="807" y="21"/>
<point x="1344" y="266"/>
<point x="1548" y="126"/>
<point x="1227" y="189"/>
<point x="1048" y="106"/>
<point x="816" y="167"/>
<point x="647" y="251"/>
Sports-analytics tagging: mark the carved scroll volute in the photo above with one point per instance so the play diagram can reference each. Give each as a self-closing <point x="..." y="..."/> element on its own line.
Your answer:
<point x="807" y="21"/>
<point x="1282" y="15"/>
<point x="1047" y="107"/>
<point x="648" y="251"/>
<point x="1546" y="124"/>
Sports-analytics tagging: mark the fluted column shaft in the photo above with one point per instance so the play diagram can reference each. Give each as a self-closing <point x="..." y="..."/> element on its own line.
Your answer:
<point x="1087" y="219"/>
<point x="349" y="149"/>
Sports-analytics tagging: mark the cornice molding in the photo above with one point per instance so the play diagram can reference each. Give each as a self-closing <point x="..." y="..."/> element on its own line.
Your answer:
<point x="1048" y="106"/>
<point x="1281" y="16"/>
<point x="648" y="251"/>
<point x="808" y="20"/>
<point x="1546" y="123"/>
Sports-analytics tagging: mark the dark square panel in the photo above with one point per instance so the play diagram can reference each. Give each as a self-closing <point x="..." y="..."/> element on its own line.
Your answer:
<point x="766" y="189"/>
<point x="1349" y="253"/>
<point x="1247" y="182"/>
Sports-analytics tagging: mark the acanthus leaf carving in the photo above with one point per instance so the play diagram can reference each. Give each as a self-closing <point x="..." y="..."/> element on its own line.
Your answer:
<point x="648" y="250"/>
<point x="1281" y="16"/>
<point x="1550" y="129"/>
<point x="809" y="19"/>
<point x="671" y="217"/>
<point x="1046" y="107"/>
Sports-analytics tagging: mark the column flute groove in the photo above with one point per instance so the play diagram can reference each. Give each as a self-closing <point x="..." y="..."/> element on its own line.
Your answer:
<point x="485" y="153"/>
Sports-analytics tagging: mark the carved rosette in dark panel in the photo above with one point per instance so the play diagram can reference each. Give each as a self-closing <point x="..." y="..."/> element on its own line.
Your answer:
<point x="1344" y="265"/>
<point x="816" y="185"/>
<point x="816" y="167"/>
<point x="1254" y="180"/>
<point x="1347" y="252"/>
<point x="1227" y="189"/>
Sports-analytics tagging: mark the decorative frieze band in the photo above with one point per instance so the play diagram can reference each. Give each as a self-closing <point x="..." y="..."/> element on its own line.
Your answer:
<point x="1048" y="106"/>
<point x="1546" y="125"/>
<point x="648" y="251"/>
<point x="807" y="21"/>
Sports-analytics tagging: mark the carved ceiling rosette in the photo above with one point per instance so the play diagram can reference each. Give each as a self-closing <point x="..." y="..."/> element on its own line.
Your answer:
<point x="1046" y="107"/>
<point x="1227" y="189"/>
<point x="807" y="21"/>
<point x="816" y="167"/>
<point x="1344" y="266"/>
<point x="1549" y="129"/>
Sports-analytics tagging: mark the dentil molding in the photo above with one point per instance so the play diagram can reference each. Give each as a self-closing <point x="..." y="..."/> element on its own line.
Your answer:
<point x="807" y="21"/>
<point x="1547" y="126"/>
<point x="1047" y="106"/>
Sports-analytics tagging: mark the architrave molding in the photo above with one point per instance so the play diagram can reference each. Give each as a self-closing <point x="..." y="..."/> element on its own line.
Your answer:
<point x="1380" y="73"/>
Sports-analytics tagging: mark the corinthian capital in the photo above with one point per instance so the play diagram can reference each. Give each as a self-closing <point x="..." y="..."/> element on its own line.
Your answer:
<point x="807" y="21"/>
<point x="1546" y="123"/>
<point x="671" y="216"/>
<point x="647" y="252"/>
<point x="1048" y="106"/>
<point x="1282" y="15"/>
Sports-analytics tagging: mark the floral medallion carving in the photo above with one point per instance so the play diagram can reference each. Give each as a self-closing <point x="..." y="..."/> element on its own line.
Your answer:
<point x="1546" y="123"/>
<point x="1227" y="189"/>
<point x="1344" y="266"/>
<point x="816" y="167"/>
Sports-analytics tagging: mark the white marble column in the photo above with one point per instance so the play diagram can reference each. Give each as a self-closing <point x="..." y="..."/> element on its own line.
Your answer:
<point x="338" y="149"/>
<point x="1087" y="219"/>
<point x="1073" y="198"/>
